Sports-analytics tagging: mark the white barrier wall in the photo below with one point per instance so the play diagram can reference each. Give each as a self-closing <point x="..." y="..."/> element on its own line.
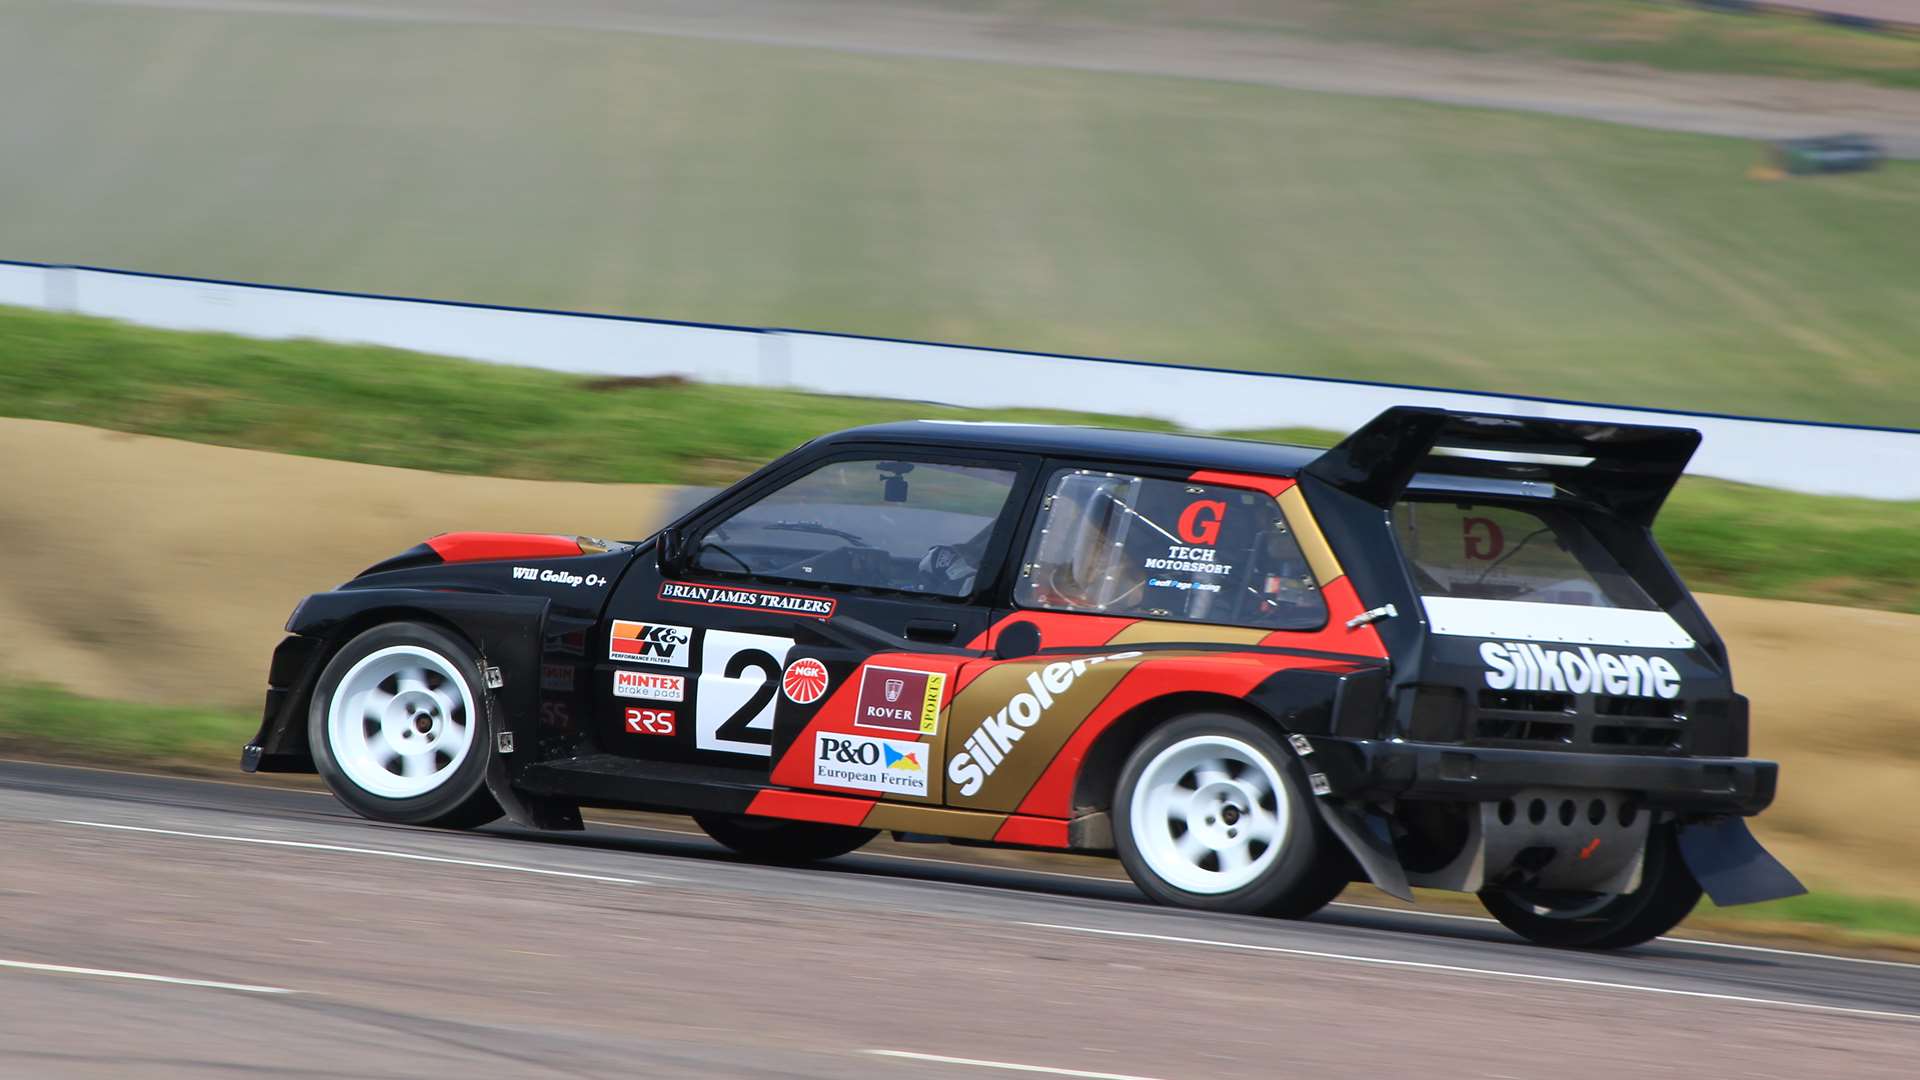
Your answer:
<point x="1871" y="462"/>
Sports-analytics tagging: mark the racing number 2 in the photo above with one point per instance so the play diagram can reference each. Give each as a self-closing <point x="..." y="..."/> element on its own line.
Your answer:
<point x="739" y="681"/>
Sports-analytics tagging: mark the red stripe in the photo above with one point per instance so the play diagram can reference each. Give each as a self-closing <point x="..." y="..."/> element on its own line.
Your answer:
<point x="479" y="546"/>
<point x="1272" y="485"/>
<point x="804" y="806"/>
<point x="1033" y="832"/>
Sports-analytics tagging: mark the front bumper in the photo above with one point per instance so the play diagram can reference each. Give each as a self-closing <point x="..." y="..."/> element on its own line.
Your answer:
<point x="1376" y="771"/>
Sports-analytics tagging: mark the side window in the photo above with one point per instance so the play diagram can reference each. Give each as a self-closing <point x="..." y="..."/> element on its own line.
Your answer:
<point x="880" y="523"/>
<point x="1116" y="544"/>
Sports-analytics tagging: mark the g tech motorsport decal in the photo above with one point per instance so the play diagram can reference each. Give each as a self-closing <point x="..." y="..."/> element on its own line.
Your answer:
<point x="651" y="721"/>
<point x="649" y="686"/>
<point x="900" y="699"/>
<point x="992" y="743"/>
<point x="805" y="681"/>
<point x="650" y="643"/>
<point x="870" y="764"/>
<point x="1517" y="665"/>
<point x="680" y="592"/>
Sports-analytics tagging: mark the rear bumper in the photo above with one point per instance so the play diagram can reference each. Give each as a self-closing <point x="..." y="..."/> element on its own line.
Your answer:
<point x="1376" y="771"/>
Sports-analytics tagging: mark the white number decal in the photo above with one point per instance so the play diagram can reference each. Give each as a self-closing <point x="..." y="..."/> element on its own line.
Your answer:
<point x="739" y="686"/>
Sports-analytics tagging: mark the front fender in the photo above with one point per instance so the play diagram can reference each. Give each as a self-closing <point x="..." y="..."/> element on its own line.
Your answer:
<point x="506" y="632"/>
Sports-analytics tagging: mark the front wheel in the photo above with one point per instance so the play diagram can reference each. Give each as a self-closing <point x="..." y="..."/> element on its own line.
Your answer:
<point x="398" y="730"/>
<point x="772" y="840"/>
<point x="1212" y="812"/>
<point x="1667" y="894"/>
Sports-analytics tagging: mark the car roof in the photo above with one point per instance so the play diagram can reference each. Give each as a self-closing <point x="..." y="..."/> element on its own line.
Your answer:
<point x="1099" y="444"/>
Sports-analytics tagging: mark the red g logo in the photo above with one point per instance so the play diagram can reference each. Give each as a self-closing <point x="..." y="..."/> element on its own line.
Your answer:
<point x="1200" y="522"/>
<point x="1482" y="539"/>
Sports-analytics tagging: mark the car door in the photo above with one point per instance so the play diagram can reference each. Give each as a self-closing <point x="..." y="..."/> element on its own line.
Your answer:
<point x="777" y="595"/>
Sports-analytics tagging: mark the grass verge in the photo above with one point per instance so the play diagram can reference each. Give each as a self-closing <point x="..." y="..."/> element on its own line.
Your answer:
<point x="384" y="407"/>
<point x="1173" y="219"/>
<point x="47" y="724"/>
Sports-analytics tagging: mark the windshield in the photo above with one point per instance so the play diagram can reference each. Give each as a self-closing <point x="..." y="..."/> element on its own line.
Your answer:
<point x="1484" y="551"/>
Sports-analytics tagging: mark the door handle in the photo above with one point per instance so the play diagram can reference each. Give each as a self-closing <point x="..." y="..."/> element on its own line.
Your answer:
<point x="931" y="630"/>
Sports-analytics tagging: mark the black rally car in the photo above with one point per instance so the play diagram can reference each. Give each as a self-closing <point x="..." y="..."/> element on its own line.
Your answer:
<point x="1446" y="653"/>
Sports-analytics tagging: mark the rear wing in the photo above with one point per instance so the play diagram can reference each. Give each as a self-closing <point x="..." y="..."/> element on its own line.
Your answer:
<point x="1626" y="468"/>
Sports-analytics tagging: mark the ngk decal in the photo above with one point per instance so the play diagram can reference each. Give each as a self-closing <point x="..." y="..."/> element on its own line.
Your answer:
<point x="993" y="740"/>
<point x="650" y="643"/>
<point x="1517" y="665"/>
<point x="649" y="686"/>
<point x="870" y="764"/>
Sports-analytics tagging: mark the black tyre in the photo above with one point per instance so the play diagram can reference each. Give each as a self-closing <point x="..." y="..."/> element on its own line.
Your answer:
<point x="1212" y="812"/>
<point x="398" y="728"/>
<point x="1667" y="894"/>
<point x="786" y="842"/>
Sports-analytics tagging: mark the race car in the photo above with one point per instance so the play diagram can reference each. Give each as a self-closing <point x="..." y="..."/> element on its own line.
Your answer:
<point x="1445" y="653"/>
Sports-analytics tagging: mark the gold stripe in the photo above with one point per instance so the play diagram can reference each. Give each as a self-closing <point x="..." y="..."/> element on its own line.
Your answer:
<point x="934" y="821"/>
<point x="1306" y="533"/>
<point x="1158" y="632"/>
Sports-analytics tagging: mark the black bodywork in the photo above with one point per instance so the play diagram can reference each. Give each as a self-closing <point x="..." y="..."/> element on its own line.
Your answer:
<point x="1418" y="729"/>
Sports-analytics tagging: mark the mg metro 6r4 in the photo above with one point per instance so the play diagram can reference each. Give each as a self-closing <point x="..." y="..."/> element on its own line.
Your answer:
<point x="1445" y="653"/>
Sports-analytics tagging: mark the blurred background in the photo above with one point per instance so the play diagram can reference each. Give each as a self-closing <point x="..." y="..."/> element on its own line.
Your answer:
<point x="1707" y="207"/>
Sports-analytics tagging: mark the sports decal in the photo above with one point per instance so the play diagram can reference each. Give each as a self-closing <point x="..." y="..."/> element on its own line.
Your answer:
<point x="995" y="740"/>
<point x="680" y="592"/>
<point x="649" y="643"/>
<point x="1516" y="665"/>
<point x="739" y="685"/>
<point x="1481" y="539"/>
<point x="649" y="686"/>
<point x="651" y="721"/>
<point x="870" y="764"/>
<point x="805" y="680"/>
<point x="556" y="677"/>
<point x="900" y="699"/>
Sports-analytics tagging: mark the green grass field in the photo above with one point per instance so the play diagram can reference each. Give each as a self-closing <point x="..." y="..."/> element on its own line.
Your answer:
<point x="386" y="407"/>
<point x="1146" y="217"/>
<point x="1673" y="35"/>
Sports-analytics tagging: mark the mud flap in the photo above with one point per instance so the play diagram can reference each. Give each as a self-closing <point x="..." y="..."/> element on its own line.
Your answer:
<point x="1366" y="837"/>
<point x="1732" y="866"/>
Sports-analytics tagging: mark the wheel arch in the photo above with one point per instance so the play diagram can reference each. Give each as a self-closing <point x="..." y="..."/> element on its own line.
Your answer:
<point x="503" y="631"/>
<point x="1099" y="771"/>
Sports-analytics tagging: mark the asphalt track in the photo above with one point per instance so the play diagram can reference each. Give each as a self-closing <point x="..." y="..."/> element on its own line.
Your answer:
<point x="159" y="927"/>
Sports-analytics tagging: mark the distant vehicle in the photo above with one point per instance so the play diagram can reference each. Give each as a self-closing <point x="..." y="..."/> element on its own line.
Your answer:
<point x="1445" y="653"/>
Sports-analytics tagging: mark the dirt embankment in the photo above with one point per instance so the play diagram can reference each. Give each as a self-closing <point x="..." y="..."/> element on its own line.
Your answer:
<point x="146" y="569"/>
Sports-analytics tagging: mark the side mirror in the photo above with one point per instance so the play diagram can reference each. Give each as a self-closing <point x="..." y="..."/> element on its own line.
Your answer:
<point x="667" y="552"/>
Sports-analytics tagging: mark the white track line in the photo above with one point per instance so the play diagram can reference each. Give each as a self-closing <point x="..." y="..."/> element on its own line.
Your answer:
<point x="166" y="776"/>
<point x="1410" y="911"/>
<point x="363" y="851"/>
<point x="1003" y="1066"/>
<point x="1453" y="969"/>
<point x="62" y="969"/>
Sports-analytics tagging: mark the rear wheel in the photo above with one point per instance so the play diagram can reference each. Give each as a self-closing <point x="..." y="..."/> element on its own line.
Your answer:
<point x="398" y="730"/>
<point x="1212" y="812"/>
<point x="788" y="842"/>
<point x="1667" y="894"/>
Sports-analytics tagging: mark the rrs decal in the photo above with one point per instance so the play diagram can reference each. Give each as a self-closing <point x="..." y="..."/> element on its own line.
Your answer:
<point x="738" y="687"/>
<point x="1516" y="665"/>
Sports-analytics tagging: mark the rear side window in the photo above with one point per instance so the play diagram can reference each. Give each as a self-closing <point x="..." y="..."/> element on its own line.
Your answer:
<point x="1117" y="544"/>
<point x="1483" y="551"/>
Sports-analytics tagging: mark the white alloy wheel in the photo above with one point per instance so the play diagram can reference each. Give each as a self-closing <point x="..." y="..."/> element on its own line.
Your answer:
<point x="1209" y="814"/>
<point x="401" y="722"/>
